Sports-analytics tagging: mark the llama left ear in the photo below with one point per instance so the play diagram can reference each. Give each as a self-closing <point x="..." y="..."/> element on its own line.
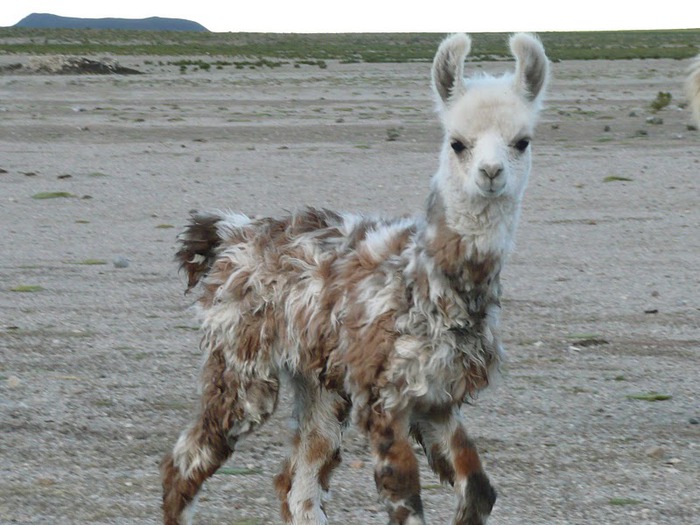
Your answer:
<point x="532" y="65"/>
<point x="448" y="66"/>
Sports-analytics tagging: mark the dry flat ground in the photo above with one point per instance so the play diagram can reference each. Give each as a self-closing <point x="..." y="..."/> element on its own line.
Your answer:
<point x="601" y="310"/>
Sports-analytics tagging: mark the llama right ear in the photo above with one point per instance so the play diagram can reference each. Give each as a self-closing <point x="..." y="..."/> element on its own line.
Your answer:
<point x="448" y="66"/>
<point x="532" y="65"/>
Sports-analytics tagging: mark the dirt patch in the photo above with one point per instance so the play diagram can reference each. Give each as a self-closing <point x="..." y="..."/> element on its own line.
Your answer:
<point x="99" y="352"/>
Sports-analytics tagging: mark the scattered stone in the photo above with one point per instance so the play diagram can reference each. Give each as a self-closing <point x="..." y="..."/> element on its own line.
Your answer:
<point x="120" y="262"/>
<point x="655" y="452"/>
<point x="632" y="113"/>
<point x="13" y="382"/>
<point x="64" y="176"/>
<point x="651" y="311"/>
<point x="655" y="120"/>
<point x="694" y="421"/>
<point x="606" y="128"/>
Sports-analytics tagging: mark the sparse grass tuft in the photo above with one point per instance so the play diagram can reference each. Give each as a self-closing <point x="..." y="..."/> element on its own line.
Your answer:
<point x="52" y="195"/>
<point x="617" y="178"/>
<point x="650" y="396"/>
<point x="91" y="262"/>
<point x="27" y="288"/>
<point x="237" y="471"/>
<point x="623" y="501"/>
<point x="662" y="100"/>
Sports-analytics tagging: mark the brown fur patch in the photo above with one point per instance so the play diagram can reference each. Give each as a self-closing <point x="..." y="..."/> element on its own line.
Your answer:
<point x="283" y="484"/>
<point x="466" y="458"/>
<point x="324" y="475"/>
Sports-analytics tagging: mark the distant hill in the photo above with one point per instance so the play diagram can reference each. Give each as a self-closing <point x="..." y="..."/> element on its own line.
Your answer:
<point x="45" y="20"/>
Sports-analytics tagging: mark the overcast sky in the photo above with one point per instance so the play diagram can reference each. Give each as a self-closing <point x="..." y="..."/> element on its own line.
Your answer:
<point x="303" y="16"/>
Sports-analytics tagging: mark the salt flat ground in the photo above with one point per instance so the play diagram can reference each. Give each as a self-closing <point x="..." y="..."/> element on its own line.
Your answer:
<point x="601" y="300"/>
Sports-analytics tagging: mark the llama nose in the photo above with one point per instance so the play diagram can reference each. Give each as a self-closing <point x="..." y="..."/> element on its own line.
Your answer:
<point x="491" y="171"/>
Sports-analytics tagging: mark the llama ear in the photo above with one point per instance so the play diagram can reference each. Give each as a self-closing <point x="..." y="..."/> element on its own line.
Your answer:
<point x="448" y="66"/>
<point x="532" y="66"/>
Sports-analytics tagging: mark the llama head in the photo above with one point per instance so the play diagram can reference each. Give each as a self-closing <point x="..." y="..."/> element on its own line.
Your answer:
<point x="488" y="123"/>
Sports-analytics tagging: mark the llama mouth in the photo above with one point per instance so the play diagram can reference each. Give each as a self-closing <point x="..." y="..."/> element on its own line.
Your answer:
<point x="491" y="190"/>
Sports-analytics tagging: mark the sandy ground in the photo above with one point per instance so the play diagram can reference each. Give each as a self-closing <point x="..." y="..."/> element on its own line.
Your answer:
<point x="98" y="367"/>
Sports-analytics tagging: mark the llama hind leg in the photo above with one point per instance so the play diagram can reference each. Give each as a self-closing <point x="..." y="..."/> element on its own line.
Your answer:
<point x="231" y="408"/>
<point x="304" y="481"/>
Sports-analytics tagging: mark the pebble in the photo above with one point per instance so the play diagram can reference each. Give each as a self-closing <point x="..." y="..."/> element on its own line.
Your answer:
<point x="120" y="262"/>
<point x="13" y="382"/>
<point x="655" y="452"/>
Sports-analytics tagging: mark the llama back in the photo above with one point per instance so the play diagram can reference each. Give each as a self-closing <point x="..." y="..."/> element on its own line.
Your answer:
<point x="274" y="289"/>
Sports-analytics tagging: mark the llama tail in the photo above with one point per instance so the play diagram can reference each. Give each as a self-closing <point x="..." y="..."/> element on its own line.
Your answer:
<point x="201" y="239"/>
<point x="693" y="88"/>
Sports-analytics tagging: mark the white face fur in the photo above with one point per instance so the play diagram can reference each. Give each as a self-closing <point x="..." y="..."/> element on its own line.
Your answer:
<point x="488" y="123"/>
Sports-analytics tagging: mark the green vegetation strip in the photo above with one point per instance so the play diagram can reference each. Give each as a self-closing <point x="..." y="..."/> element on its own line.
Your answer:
<point x="650" y="396"/>
<point x="346" y="47"/>
<point x="623" y="501"/>
<point x="234" y="471"/>
<point x="26" y="288"/>
<point x="52" y="195"/>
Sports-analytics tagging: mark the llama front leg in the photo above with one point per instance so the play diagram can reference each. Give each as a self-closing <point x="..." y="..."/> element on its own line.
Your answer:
<point x="396" y="469"/>
<point x="454" y="458"/>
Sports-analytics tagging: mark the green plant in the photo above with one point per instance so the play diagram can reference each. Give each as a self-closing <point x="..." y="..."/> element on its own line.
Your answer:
<point x="662" y="100"/>
<point x="650" y="396"/>
<point x="52" y="195"/>
<point x="25" y="288"/>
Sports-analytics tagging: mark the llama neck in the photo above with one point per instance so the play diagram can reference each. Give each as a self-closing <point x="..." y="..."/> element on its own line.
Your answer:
<point x="468" y="248"/>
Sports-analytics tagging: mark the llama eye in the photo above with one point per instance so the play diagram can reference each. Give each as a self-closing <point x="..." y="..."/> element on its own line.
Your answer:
<point x="522" y="145"/>
<point x="458" y="146"/>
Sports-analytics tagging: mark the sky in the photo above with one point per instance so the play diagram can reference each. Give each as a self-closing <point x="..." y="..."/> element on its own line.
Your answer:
<point x="327" y="16"/>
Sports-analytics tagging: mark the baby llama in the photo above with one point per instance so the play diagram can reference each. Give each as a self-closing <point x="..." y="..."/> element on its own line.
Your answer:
<point x="390" y="324"/>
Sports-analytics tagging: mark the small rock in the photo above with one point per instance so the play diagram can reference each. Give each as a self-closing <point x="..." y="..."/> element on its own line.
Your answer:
<point x="694" y="421"/>
<point x="13" y="382"/>
<point x="655" y="120"/>
<point x="606" y="128"/>
<point x="655" y="452"/>
<point x="120" y="262"/>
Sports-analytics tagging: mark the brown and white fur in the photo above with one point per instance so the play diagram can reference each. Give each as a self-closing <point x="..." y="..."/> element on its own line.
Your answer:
<point x="693" y="88"/>
<point x="389" y="323"/>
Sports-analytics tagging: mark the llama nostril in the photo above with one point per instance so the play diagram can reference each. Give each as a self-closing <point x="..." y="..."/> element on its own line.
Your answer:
<point x="491" y="171"/>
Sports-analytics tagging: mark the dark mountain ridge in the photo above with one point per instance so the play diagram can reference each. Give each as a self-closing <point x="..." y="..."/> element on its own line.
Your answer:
<point x="154" y="23"/>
